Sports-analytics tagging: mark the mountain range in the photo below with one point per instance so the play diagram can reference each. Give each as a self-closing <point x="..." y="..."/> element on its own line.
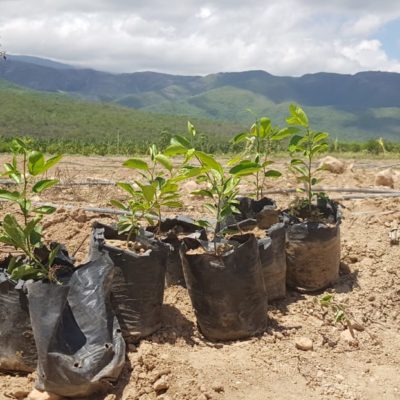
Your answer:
<point x="360" y="106"/>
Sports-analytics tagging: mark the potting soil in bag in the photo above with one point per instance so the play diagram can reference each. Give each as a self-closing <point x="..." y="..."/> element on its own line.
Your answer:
<point x="79" y="342"/>
<point x="174" y="229"/>
<point x="264" y="211"/>
<point x="138" y="284"/>
<point x="17" y="346"/>
<point x="313" y="250"/>
<point x="227" y="291"/>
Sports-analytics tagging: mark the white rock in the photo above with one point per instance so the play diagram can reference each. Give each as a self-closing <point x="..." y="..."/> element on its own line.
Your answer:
<point x="304" y="343"/>
<point x="38" y="395"/>
<point x="161" y="384"/>
<point x="385" y="178"/>
<point x="332" y="164"/>
<point x="347" y="337"/>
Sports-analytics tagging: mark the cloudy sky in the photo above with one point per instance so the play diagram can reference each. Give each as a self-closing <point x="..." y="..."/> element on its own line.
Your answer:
<point x="283" y="37"/>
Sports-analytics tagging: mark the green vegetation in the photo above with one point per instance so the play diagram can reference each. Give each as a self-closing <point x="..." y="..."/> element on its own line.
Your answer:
<point x="57" y="122"/>
<point x="256" y="158"/>
<point x="155" y="190"/>
<point x="304" y="146"/>
<point x="222" y="187"/>
<point x="27" y="236"/>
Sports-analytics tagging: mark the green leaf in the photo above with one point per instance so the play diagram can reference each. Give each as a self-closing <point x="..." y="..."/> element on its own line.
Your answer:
<point x="26" y="272"/>
<point x="245" y="168"/>
<point x="53" y="255"/>
<point x="136" y="163"/>
<point x="169" y="187"/>
<point x="294" y="143"/>
<point x="273" y="174"/>
<point x="149" y="192"/>
<point x="203" y="192"/>
<point x="52" y="161"/>
<point x="319" y="148"/>
<point x="127" y="187"/>
<point x="36" y="163"/>
<point x="172" y="204"/>
<point x="14" y="231"/>
<point x="300" y="170"/>
<point x="164" y="161"/>
<point x="192" y="172"/>
<point x="12" y="265"/>
<point x="298" y="116"/>
<point x="119" y="205"/>
<point x="297" y="161"/>
<point x="191" y="129"/>
<point x="44" y="210"/>
<point x="175" y="149"/>
<point x="210" y="162"/>
<point x="44" y="184"/>
<point x="340" y="316"/>
<point x="283" y="133"/>
<point x="240" y="138"/>
<point x="11" y="196"/>
<point x="203" y="223"/>
<point x="265" y="125"/>
<point x="25" y="205"/>
<point x="210" y="207"/>
<point x="320" y="136"/>
<point x="178" y="140"/>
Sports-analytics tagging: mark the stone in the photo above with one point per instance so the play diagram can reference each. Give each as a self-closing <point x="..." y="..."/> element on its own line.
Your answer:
<point x="39" y="395"/>
<point x="304" y="343"/>
<point x="217" y="387"/>
<point x="18" y="394"/>
<point x="161" y="384"/>
<point x="385" y="178"/>
<point x="348" y="338"/>
<point x="332" y="164"/>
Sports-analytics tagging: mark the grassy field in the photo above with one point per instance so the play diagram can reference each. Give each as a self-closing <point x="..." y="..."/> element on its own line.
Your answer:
<point x="60" y="123"/>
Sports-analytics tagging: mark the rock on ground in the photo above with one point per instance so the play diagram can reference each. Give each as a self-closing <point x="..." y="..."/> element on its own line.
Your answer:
<point x="304" y="343"/>
<point x="385" y="178"/>
<point x="332" y="164"/>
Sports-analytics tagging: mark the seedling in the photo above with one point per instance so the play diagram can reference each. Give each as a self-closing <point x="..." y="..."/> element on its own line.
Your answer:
<point x="222" y="187"/>
<point x="27" y="237"/>
<point x="304" y="146"/>
<point x="156" y="190"/>
<point x="256" y="158"/>
<point x="339" y="311"/>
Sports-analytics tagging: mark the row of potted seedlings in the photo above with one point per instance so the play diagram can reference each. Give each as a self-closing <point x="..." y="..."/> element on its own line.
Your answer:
<point x="232" y="263"/>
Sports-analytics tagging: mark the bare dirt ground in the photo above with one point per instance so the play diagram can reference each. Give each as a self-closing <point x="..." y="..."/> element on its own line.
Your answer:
<point x="270" y="366"/>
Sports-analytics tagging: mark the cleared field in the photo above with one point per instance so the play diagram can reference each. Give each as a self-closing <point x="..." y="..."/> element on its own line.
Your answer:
<point x="270" y="366"/>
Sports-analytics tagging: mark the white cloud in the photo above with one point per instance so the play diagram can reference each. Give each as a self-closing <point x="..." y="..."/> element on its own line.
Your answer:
<point x="289" y="37"/>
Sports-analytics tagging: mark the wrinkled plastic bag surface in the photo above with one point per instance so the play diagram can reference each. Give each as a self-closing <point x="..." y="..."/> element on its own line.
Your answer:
<point x="138" y="284"/>
<point x="17" y="349"/>
<point x="273" y="260"/>
<point x="227" y="292"/>
<point x="79" y="342"/>
<point x="313" y="251"/>
<point x="174" y="229"/>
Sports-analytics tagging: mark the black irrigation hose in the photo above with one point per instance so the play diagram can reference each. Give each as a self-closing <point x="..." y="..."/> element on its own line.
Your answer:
<point x="275" y="191"/>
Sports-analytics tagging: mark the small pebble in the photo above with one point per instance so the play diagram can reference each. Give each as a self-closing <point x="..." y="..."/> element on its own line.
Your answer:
<point x="304" y="343"/>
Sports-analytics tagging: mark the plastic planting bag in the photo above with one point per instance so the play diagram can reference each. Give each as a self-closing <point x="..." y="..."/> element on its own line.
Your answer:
<point x="273" y="261"/>
<point x="313" y="250"/>
<point x="173" y="230"/>
<point x="263" y="211"/>
<point x="227" y="291"/>
<point x="263" y="214"/>
<point x="138" y="284"/>
<point x="79" y="342"/>
<point x="17" y="346"/>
